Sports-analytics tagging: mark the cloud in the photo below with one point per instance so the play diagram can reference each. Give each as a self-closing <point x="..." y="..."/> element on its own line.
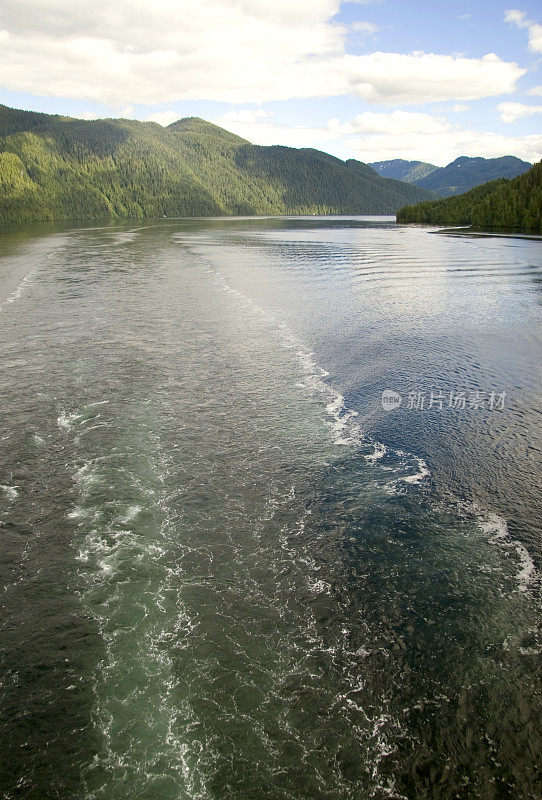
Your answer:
<point x="246" y="116"/>
<point x="535" y="90"/>
<point x="515" y="17"/>
<point x="259" y="128"/>
<point x="88" y="115"/>
<point x="379" y="136"/>
<point x="458" y="108"/>
<point x="510" y="112"/>
<point x="126" y="112"/>
<point x="248" y="51"/>
<point x="445" y="147"/>
<point x="397" y="78"/>
<point x="519" y="19"/>
<point x="365" y="27"/>
<point x="164" y="117"/>
<point x="400" y="122"/>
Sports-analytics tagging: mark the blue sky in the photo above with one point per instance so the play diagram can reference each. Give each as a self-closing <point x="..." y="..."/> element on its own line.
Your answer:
<point x="368" y="79"/>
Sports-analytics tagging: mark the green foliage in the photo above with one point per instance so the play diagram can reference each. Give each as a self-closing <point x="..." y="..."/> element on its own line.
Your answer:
<point x="513" y="204"/>
<point x="54" y="168"/>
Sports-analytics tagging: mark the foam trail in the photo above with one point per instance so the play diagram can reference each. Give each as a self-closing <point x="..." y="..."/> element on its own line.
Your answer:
<point x="497" y="530"/>
<point x="380" y="451"/>
<point x="419" y="476"/>
<point x="129" y="584"/>
<point x="344" y="428"/>
<point x="10" y="492"/>
<point x="347" y="432"/>
<point x="16" y="294"/>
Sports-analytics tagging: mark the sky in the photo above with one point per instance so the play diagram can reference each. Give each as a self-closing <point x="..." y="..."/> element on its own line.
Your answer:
<point x="366" y="79"/>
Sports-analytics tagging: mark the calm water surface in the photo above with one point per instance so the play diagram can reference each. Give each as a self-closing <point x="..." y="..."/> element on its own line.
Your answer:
<point x="227" y="572"/>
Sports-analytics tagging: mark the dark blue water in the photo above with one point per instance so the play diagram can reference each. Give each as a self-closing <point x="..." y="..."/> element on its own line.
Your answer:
<point x="229" y="572"/>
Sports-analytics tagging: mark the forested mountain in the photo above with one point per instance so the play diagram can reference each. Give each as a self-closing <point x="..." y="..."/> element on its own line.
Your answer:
<point x="465" y="173"/>
<point x="402" y="170"/>
<point x="514" y="204"/>
<point x="54" y="167"/>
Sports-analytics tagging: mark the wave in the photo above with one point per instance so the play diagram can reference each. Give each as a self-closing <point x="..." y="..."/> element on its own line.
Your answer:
<point x="496" y="528"/>
<point x="10" y="492"/>
<point x="18" y="292"/>
<point x="346" y="431"/>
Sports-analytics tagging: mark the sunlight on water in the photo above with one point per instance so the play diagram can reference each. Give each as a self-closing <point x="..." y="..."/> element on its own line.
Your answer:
<point x="229" y="572"/>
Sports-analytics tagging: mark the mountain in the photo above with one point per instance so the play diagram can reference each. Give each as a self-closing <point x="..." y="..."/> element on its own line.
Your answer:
<point x="515" y="204"/>
<point x="465" y="173"/>
<point x="401" y="170"/>
<point x="54" y="167"/>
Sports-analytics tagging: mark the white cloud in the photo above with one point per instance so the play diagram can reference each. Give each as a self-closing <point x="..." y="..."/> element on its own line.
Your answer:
<point x="365" y="27"/>
<point x="88" y="115"/>
<point x="536" y="91"/>
<point x="518" y="18"/>
<point x="248" y="51"/>
<point x="510" y="112"/>
<point x="259" y="128"/>
<point x="515" y="17"/>
<point x="399" y="134"/>
<point x="126" y="112"/>
<point x="400" y="122"/>
<point x="425" y="77"/>
<point x="246" y="116"/>
<point x="458" y="108"/>
<point x="445" y="147"/>
<point x="164" y="117"/>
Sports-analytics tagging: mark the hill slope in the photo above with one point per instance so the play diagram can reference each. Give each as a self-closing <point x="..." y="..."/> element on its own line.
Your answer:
<point x="465" y="173"/>
<point x="54" y="167"/>
<point x="514" y="204"/>
<point x="402" y="170"/>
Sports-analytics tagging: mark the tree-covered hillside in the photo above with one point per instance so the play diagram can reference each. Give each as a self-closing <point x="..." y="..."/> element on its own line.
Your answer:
<point x="514" y="204"/>
<point x="54" y="167"/>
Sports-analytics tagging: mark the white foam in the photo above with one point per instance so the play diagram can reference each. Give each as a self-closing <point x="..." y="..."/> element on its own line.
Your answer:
<point x="67" y="421"/>
<point x="380" y="451"/>
<point x="492" y="524"/>
<point x="86" y="477"/>
<point x="420" y="475"/>
<point x="10" y="491"/>
<point x="77" y="513"/>
<point x="528" y="569"/>
<point x="497" y="529"/>
<point x="345" y="430"/>
<point x="16" y="294"/>
<point x="130" y="515"/>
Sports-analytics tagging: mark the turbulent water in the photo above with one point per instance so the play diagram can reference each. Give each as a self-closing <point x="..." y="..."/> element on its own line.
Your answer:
<point x="228" y="572"/>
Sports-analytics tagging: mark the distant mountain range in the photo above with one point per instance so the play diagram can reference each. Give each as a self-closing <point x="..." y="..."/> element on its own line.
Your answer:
<point x="502" y="204"/>
<point x="54" y="168"/>
<point x="461" y="175"/>
<point x="465" y="173"/>
<point x="409" y="171"/>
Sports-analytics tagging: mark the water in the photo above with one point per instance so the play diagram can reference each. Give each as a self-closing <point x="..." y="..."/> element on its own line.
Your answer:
<point x="228" y="572"/>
